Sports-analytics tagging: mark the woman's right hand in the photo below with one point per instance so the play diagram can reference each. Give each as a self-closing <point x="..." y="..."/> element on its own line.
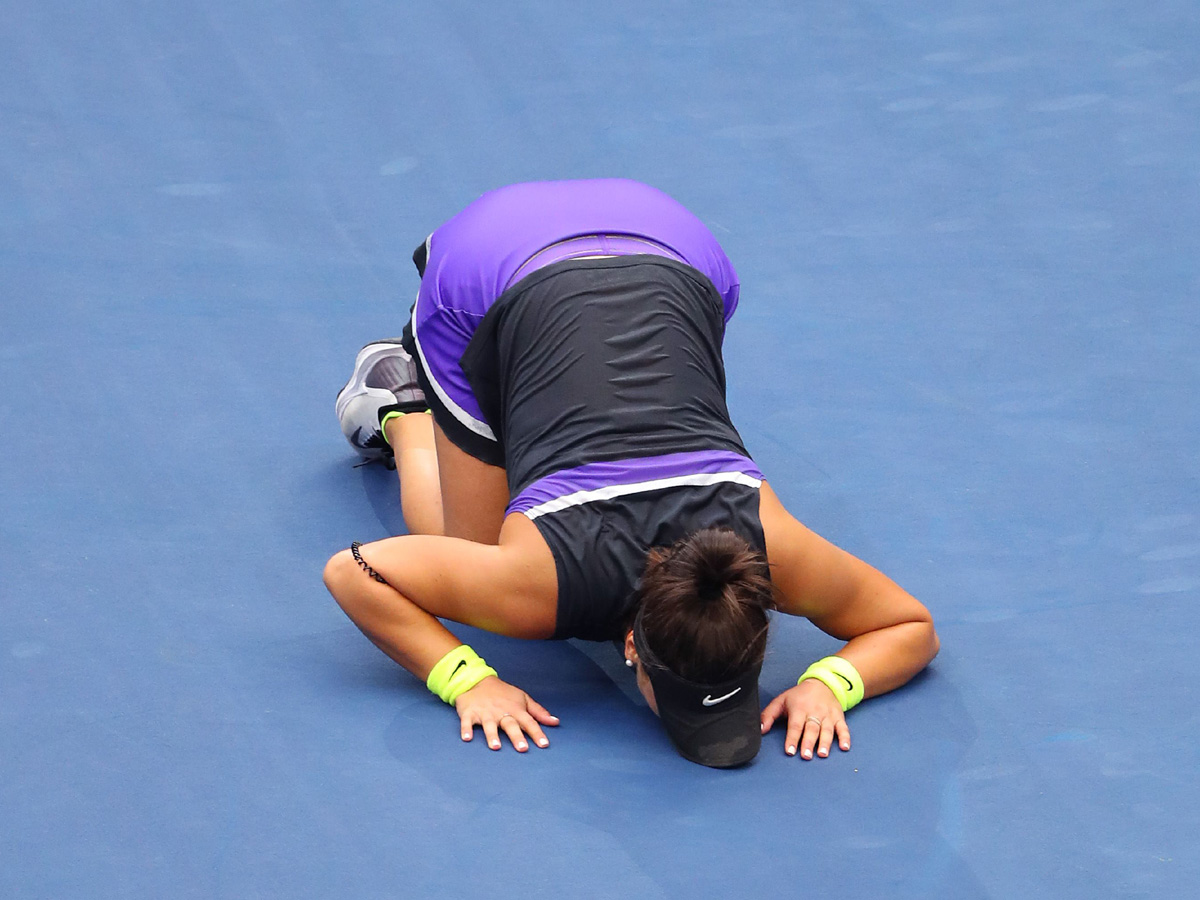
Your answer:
<point x="497" y="706"/>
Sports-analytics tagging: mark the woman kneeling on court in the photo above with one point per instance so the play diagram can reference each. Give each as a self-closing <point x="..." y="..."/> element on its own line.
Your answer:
<point x="580" y="477"/>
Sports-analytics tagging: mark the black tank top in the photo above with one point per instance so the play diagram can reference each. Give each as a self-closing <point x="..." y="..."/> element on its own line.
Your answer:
<point x="604" y="382"/>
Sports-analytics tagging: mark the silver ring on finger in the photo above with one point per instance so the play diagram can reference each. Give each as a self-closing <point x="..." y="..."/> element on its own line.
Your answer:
<point x="819" y="722"/>
<point x="505" y="716"/>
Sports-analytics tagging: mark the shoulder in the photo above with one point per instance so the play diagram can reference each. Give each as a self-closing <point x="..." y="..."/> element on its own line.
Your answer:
<point x="807" y="569"/>
<point x="526" y="563"/>
<point x="780" y="528"/>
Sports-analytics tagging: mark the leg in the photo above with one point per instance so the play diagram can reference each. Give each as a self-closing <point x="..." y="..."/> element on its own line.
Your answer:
<point x="411" y="437"/>
<point x="444" y="490"/>
<point x="474" y="494"/>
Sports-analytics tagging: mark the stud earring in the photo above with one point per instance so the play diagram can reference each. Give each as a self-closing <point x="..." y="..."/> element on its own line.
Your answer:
<point x="629" y="662"/>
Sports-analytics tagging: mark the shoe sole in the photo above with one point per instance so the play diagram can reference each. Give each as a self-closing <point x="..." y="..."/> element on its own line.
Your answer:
<point x="362" y="365"/>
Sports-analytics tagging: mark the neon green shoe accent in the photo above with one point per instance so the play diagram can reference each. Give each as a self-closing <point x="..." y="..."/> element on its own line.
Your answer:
<point x="395" y="414"/>
<point x="383" y="424"/>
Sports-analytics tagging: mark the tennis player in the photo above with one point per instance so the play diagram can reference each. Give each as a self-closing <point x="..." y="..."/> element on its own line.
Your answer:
<point x="568" y="468"/>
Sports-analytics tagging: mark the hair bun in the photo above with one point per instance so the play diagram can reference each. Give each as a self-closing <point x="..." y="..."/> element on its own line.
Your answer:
<point x="720" y="558"/>
<point x="705" y="602"/>
<point x="716" y="568"/>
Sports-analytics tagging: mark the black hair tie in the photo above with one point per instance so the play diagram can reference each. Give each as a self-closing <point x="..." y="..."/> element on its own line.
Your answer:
<point x="366" y="567"/>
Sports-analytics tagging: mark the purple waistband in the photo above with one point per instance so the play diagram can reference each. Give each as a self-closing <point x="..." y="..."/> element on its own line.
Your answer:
<point x="604" y="480"/>
<point x="591" y="245"/>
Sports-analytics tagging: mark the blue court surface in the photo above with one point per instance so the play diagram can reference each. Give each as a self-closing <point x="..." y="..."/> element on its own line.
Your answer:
<point x="968" y="350"/>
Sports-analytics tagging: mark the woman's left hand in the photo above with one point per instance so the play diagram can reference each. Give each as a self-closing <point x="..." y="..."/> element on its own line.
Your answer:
<point x="814" y="718"/>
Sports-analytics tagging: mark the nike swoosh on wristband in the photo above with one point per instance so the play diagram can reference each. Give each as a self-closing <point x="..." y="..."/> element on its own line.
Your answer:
<point x="710" y="701"/>
<point x="849" y="683"/>
<point x="461" y="663"/>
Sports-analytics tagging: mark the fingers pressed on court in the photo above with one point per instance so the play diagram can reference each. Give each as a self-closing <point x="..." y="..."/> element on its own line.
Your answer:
<point x="812" y="731"/>
<point x="843" y="733"/>
<point x="467" y="725"/>
<point x="540" y="712"/>
<point x="825" y="741"/>
<point x="772" y="711"/>
<point x="529" y="723"/>
<point x="512" y="727"/>
<point x="492" y="733"/>
<point x="794" y="732"/>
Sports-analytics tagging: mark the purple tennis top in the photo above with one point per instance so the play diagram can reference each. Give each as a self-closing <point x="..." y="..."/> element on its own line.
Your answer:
<point x="511" y="232"/>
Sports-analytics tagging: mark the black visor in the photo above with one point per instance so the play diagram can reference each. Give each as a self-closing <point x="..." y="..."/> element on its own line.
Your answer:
<point x="715" y="725"/>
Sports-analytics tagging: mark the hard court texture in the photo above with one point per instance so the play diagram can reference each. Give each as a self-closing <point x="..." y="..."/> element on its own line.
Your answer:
<point x="968" y="350"/>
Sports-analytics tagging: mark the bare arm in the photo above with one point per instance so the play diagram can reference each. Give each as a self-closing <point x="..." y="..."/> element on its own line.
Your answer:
<point x="510" y="588"/>
<point x="889" y="633"/>
<point x="496" y="587"/>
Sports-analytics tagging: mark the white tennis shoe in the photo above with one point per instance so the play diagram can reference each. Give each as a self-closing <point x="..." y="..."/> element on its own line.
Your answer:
<point x="384" y="380"/>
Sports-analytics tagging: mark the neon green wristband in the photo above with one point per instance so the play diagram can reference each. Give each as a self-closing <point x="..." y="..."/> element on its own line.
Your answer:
<point x="456" y="672"/>
<point x="839" y="676"/>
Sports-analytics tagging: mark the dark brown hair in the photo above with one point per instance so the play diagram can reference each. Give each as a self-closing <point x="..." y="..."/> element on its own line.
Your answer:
<point x="705" y="600"/>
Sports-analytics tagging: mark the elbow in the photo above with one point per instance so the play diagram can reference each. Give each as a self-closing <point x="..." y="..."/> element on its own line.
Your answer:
<point x="338" y="575"/>
<point x="367" y="603"/>
<point x="933" y="642"/>
<point x="923" y="640"/>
